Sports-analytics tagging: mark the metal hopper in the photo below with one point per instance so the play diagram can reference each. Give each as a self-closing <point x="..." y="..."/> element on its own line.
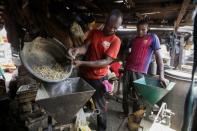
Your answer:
<point x="63" y="100"/>
<point x="151" y="90"/>
<point x="45" y="52"/>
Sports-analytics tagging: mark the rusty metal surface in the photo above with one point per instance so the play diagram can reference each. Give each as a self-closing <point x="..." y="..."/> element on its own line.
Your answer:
<point x="45" y="51"/>
<point x="63" y="100"/>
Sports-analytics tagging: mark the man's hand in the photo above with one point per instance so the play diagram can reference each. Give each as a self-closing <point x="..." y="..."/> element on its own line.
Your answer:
<point x="164" y="82"/>
<point x="73" y="52"/>
<point x="77" y="63"/>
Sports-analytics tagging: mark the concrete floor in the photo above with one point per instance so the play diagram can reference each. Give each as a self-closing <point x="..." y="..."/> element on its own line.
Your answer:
<point x="115" y="123"/>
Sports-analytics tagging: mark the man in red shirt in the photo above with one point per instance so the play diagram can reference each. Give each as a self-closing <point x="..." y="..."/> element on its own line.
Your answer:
<point x="142" y="48"/>
<point x="100" y="49"/>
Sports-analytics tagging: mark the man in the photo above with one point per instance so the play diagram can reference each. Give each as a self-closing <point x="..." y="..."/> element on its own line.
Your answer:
<point x="137" y="63"/>
<point x="100" y="49"/>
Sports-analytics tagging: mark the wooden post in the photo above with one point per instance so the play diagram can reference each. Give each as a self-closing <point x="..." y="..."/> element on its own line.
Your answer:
<point x="182" y="12"/>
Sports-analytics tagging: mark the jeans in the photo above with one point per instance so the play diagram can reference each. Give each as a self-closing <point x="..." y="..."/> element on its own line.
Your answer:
<point x="99" y="101"/>
<point x="129" y="89"/>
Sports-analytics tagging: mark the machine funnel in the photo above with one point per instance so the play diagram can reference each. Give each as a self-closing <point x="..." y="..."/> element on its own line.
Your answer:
<point x="151" y="90"/>
<point x="63" y="100"/>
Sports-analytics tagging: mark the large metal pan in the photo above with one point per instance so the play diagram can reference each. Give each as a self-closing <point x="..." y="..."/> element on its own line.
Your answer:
<point x="45" y="51"/>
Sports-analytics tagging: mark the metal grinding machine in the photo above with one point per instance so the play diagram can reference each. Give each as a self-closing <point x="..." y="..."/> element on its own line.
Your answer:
<point x="151" y="92"/>
<point x="60" y="96"/>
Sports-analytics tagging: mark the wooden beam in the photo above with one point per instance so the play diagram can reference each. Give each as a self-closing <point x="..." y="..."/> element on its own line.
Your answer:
<point x="182" y="12"/>
<point x="142" y="8"/>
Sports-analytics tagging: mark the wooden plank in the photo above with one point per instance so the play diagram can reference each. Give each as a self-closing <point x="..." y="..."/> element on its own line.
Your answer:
<point x="182" y="12"/>
<point x="157" y="7"/>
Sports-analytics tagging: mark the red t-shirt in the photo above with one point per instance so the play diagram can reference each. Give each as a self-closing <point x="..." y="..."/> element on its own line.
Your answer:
<point x="142" y="49"/>
<point x="100" y="47"/>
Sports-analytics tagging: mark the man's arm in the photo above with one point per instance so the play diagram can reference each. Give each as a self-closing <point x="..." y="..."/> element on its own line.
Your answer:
<point x="98" y="63"/>
<point x="159" y="62"/>
<point x="83" y="49"/>
<point x="73" y="52"/>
